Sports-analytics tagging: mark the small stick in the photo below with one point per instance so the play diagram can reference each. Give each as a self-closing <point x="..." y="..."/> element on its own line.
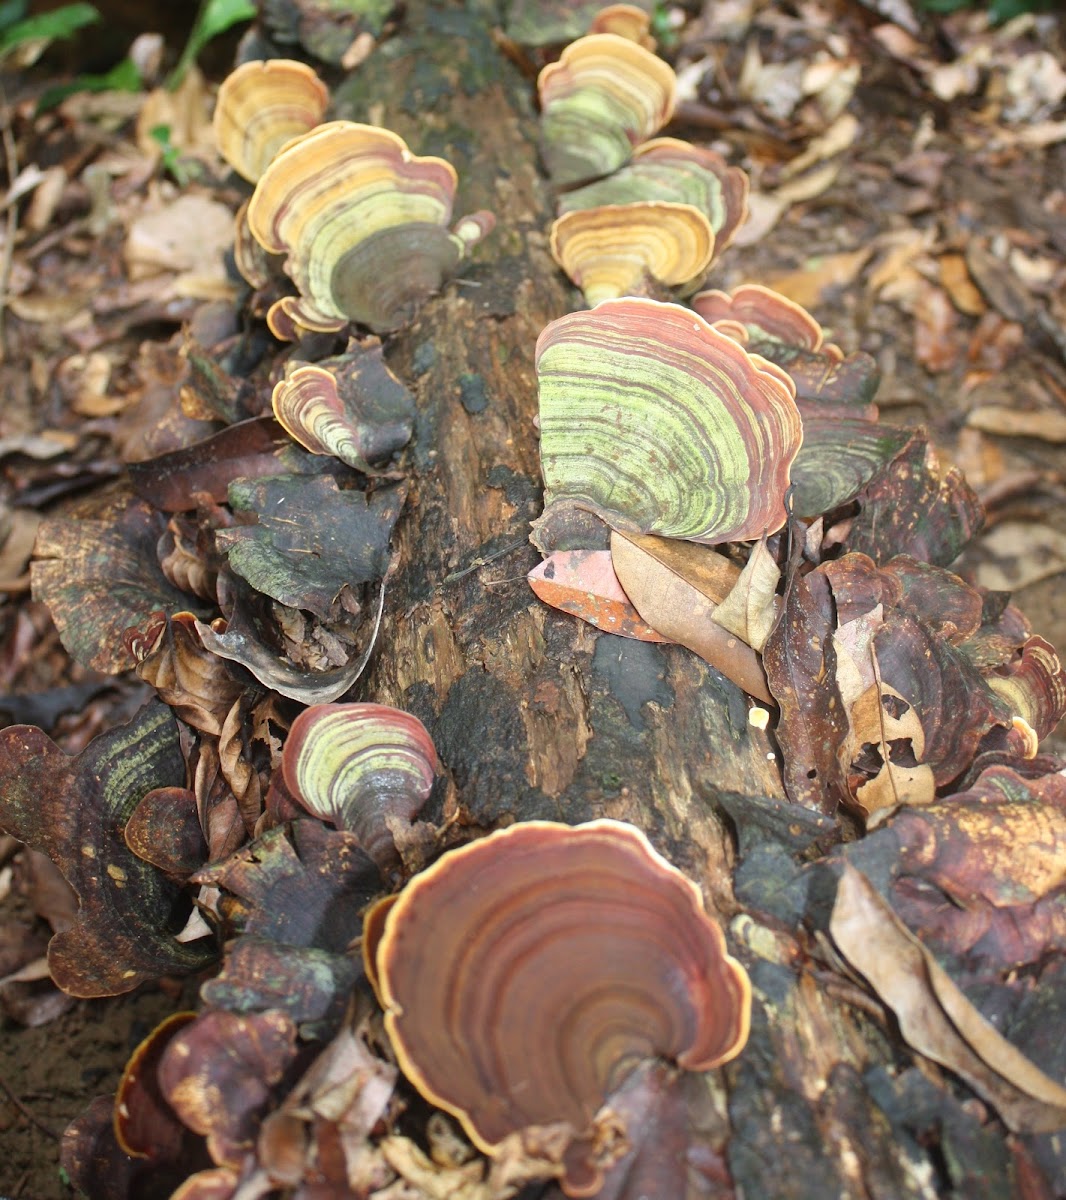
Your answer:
<point x="6" y="1087"/>
<point x="477" y="563"/>
<point x="6" y="263"/>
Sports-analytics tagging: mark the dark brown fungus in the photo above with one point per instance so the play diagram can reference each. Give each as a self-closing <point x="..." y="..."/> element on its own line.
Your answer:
<point x="570" y="956"/>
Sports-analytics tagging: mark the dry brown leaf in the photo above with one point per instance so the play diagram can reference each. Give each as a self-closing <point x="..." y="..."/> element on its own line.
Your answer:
<point x="809" y="285"/>
<point x="1022" y="553"/>
<point x="1009" y="422"/>
<point x="956" y="281"/>
<point x="583" y="583"/>
<point x="752" y="606"/>
<point x="934" y="1016"/>
<point x="839" y="136"/>
<point x="903" y="247"/>
<point x="936" y="342"/>
<point x="671" y="585"/>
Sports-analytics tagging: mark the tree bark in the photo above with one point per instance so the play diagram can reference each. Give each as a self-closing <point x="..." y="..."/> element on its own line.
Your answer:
<point x="537" y="715"/>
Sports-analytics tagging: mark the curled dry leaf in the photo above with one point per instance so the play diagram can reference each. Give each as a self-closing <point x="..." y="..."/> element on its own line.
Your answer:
<point x="676" y="588"/>
<point x="604" y="96"/>
<point x="583" y="583"/>
<point x="240" y="642"/>
<point x="656" y="423"/>
<point x="934" y="1017"/>
<point x="752" y="607"/>
<point x="570" y="955"/>
<point x="74" y="809"/>
<point x="195" y="683"/>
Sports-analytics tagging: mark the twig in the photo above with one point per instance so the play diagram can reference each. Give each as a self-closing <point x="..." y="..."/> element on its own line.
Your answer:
<point x="8" y="259"/>
<point x="477" y="563"/>
<point x="6" y="1088"/>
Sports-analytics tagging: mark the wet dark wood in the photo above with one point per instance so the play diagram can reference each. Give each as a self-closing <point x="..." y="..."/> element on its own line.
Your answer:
<point x="536" y="715"/>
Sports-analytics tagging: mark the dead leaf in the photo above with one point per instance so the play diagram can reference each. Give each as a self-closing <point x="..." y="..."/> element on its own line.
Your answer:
<point x="583" y="583"/>
<point x="934" y="1016"/>
<point x="936" y="341"/>
<point x="955" y="278"/>
<point x="819" y="276"/>
<point x="752" y="606"/>
<point x="671" y="584"/>
<point x="1048" y="426"/>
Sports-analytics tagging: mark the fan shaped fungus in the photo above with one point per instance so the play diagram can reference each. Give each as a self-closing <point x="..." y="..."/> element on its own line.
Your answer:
<point x="667" y="169"/>
<point x="352" y="407"/>
<point x="362" y="222"/>
<point x="625" y="20"/>
<point x="605" y="95"/>
<point x="263" y="105"/>
<point x="758" y="314"/>
<point x="655" y="422"/>
<point x="570" y="956"/>
<point x="611" y="251"/>
<point x="358" y="765"/>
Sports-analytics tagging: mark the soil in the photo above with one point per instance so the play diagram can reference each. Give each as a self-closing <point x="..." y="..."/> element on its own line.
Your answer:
<point x="961" y="184"/>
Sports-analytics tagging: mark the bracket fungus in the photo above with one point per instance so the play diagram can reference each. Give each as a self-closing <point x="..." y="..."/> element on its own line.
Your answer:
<point x="360" y="766"/>
<point x="656" y="423"/>
<point x="263" y="105"/>
<point x="605" y="95"/>
<point x="668" y="169"/>
<point x="363" y="223"/>
<point x="570" y="956"/>
<point x="612" y="251"/>
<point x="351" y="407"/>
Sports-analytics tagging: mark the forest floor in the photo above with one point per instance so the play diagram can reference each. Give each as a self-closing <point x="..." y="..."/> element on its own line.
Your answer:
<point x="909" y="188"/>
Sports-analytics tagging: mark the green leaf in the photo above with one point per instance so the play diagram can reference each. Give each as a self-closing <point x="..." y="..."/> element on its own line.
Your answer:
<point x="214" y="18"/>
<point x="123" y="77"/>
<point x="46" y="27"/>
<point x="10" y="12"/>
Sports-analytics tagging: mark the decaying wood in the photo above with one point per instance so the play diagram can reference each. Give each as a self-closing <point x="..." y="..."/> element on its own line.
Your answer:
<point x="537" y="715"/>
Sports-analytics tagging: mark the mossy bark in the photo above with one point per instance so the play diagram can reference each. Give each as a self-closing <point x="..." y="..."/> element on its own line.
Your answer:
<point x="537" y="715"/>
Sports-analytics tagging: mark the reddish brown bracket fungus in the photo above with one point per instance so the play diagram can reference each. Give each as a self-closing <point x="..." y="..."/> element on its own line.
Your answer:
<point x="363" y="224"/>
<point x="757" y="313"/>
<point x="656" y="423"/>
<point x="360" y="765"/>
<point x="570" y="955"/>
<point x="605" y="95"/>
<point x="614" y="250"/>
<point x="263" y="105"/>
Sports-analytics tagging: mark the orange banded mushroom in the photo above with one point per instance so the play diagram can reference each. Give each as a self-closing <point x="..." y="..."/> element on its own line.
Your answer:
<point x="605" y="95"/>
<point x="612" y="251"/>
<point x="570" y="956"/>
<point x="363" y="224"/>
<point x="668" y="169"/>
<point x="263" y="105"/>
